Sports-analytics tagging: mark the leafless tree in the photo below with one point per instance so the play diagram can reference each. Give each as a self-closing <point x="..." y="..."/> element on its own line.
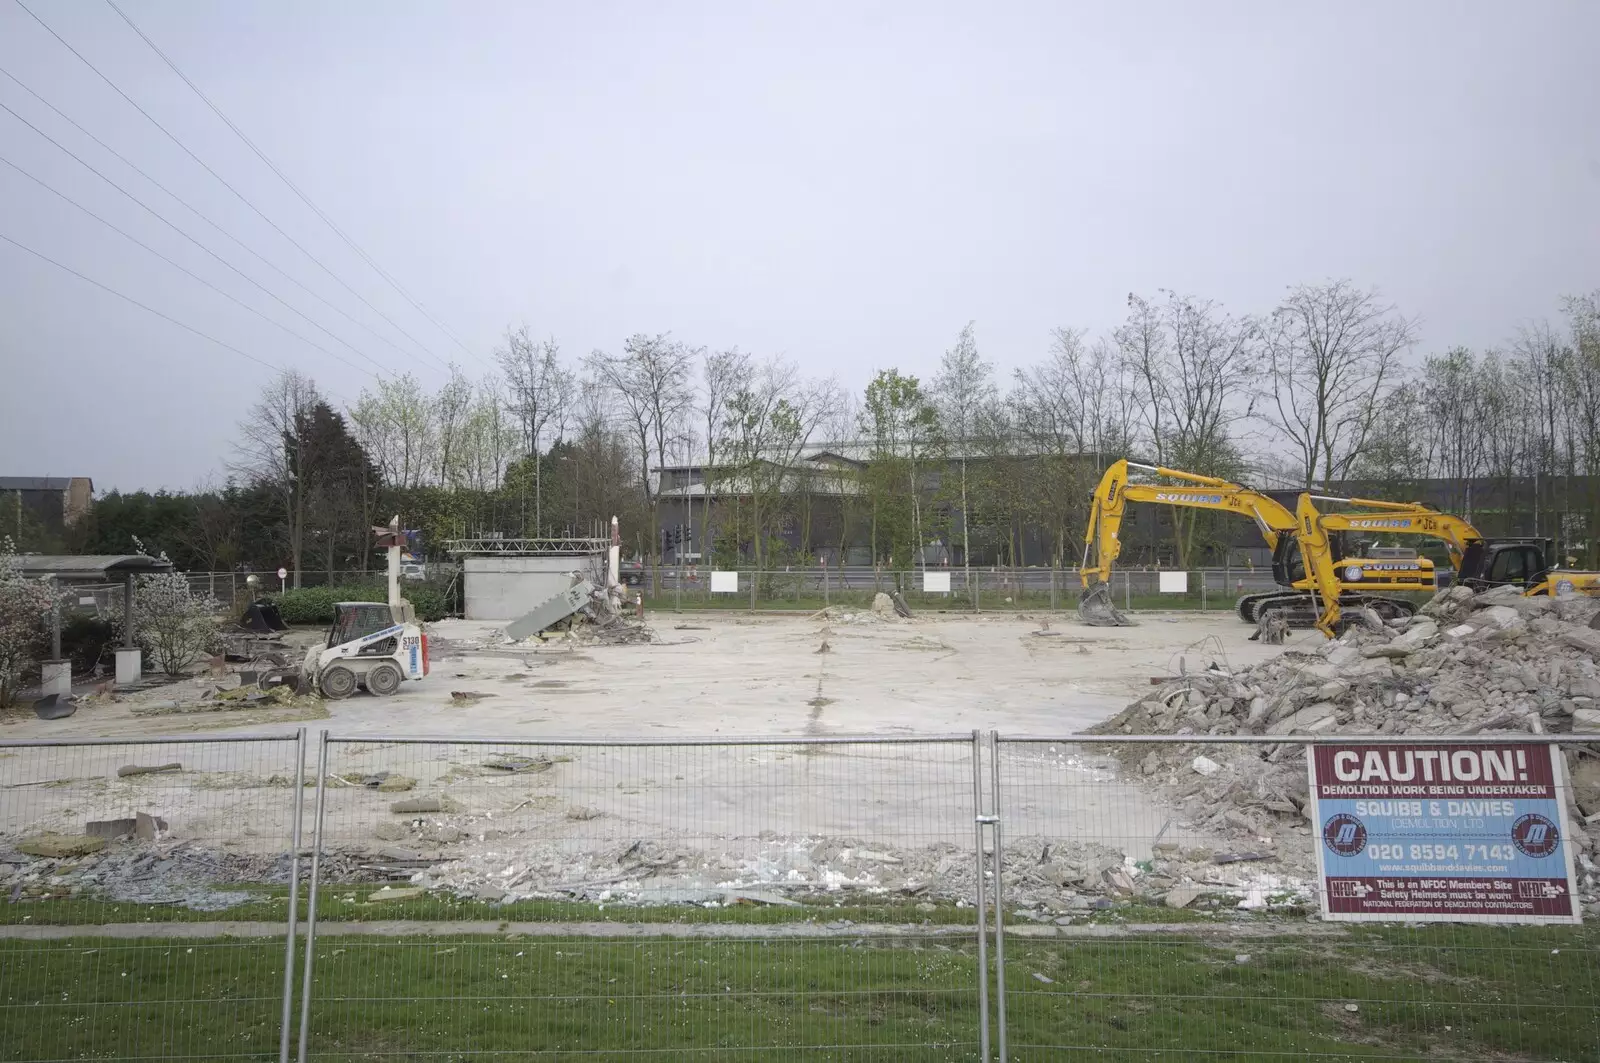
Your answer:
<point x="1333" y="353"/>
<point x="270" y="455"/>
<point x="541" y="390"/>
<point x="652" y="385"/>
<point x="1192" y="367"/>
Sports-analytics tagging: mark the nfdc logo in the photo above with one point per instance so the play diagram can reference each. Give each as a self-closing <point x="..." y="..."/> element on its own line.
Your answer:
<point x="1344" y="835"/>
<point x="1534" y="835"/>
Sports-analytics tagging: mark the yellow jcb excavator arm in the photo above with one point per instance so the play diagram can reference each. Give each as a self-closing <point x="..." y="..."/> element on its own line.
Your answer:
<point x="1399" y="518"/>
<point x="1101" y="543"/>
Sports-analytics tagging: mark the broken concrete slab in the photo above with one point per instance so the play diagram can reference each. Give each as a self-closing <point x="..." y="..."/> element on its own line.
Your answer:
<point x="59" y="846"/>
<point x="419" y="804"/>
<point x="1183" y="895"/>
<point x="409" y="893"/>
<point x="109" y="829"/>
<point x="1304" y="719"/>
<point x="148" y="828"/>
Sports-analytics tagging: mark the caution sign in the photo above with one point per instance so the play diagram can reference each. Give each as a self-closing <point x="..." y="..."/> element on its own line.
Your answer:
<point x="1461" y="833"/>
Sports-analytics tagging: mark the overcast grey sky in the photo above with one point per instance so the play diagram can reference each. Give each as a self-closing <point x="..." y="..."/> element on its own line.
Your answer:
<point x="847" y="184"/>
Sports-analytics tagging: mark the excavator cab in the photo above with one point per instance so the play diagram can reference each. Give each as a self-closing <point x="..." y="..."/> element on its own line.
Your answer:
<point x="1505" y="562"/>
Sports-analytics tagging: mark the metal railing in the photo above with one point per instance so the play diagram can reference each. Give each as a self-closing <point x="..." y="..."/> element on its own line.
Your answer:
<point x="942" y="897"/>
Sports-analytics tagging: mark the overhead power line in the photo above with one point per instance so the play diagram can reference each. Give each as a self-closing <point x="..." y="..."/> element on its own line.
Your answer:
<point x="285" y="179"/>
<point x="222" y="180"/>
<point x="130" y="299"/>
<point x="184" y="269"/>
<point x="163" y="220"/>
<point x="374" y="333"/>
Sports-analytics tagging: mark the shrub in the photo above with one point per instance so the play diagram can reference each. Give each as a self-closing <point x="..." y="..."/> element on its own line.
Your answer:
<point x="314" y="605"/>
<point x="24" y="622"/>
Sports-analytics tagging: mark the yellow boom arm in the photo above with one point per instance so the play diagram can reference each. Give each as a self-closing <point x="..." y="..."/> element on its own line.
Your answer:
<point x="1314" y="550"/>
<point x="1400" y="518"/>
<point x="1101" y="544"/>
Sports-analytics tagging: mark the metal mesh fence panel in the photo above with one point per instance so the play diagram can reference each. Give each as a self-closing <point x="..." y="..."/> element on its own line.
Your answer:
<point x="148" y="889"/>
<point x="986" y="588"/>
<point x="1162" y="901"/>
<point x="706" y="900"/>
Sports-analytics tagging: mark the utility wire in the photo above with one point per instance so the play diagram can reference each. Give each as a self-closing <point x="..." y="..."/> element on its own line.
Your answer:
<point x="380" y="337"/>
<point x="222" y="180"/>
<point x="184" y="269"/>
<point x="284" y="178"/>
<point x="130" y="299"/>
<point x="157" y="215"/>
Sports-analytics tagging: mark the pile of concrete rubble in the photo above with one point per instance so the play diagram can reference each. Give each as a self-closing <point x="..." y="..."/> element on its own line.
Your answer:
<point x="1466" y="664"/>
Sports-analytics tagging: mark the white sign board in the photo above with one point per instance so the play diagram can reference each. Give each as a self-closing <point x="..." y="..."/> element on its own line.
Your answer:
<point x="936" y="583"/>
<point x="724" y="583"/>
<point x="1448" y="833"/>
<point x="1174" y="583"/>
<point x="283" y="573"/>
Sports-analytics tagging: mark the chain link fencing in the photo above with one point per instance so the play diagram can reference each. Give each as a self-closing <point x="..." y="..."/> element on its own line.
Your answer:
<point x="1163" y="903"/>
<point x="150" y="892"/>
<point x="951" y="897"/>
<point x="775" y="899"/>
<point x="941" y="588"/>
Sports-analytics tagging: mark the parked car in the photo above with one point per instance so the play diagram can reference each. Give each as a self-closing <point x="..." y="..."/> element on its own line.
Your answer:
<point x="412" y="570"/>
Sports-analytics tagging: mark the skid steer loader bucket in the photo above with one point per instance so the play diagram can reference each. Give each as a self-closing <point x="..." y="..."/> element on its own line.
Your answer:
<point x="1096" y="610"/>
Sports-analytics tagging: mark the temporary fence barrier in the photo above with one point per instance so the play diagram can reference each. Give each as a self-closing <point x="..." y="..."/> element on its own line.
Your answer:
<point x="945" y="897"/>
<point x="754" y="898"/>
<point x="152" y="889"/>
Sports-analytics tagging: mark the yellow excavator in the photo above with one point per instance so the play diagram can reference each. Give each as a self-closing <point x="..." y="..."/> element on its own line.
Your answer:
<point x="1479" y="562"/>
<point x="1363" y="581"/>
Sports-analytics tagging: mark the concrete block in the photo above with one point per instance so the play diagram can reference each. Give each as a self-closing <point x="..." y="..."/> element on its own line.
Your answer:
<point x="130" y="666"/>
<point x="56" y="678"/>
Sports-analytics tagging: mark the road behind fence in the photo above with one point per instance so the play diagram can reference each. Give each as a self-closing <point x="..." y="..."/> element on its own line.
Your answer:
<point x="961" y="898"/>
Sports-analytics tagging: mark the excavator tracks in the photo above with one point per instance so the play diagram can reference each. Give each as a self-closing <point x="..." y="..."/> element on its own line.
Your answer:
<point x="1301" y="610"/>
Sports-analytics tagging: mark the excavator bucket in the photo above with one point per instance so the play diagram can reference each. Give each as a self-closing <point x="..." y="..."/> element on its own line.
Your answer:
<point x="1096" y="610"/>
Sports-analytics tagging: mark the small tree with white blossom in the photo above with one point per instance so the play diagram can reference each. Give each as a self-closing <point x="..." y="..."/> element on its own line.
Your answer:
<point x="172" y="623"/>
<point x="24" y="622"/>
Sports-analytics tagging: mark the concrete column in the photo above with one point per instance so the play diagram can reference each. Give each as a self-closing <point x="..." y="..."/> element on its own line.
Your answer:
<point x="130" y="666"/>
<point x="57" y="678"/>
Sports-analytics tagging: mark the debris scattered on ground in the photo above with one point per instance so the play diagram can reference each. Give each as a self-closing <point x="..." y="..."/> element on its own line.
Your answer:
<point x="517" y="764"/>
<point x="1488" y="663"/>
<point x="467" y="697"/>
<point x="1271" y="630"/>
<point x="55" y="707"/>
<point x="151" y="769"/>
<point x="423" y="804"/>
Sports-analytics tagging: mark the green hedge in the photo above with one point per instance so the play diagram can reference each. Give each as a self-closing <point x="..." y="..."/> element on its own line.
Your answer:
<point x="314" y="605"/>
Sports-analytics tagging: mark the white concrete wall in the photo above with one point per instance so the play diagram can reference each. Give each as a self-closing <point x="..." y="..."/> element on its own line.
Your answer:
<point x="503" y="588"/>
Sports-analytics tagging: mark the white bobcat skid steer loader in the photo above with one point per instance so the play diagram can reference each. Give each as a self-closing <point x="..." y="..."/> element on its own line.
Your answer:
<point x="370" y="644"/>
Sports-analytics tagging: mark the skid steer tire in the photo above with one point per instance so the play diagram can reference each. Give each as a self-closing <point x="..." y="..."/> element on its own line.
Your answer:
<point x="384" y="679"/>
<point x="337" y="681"/>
